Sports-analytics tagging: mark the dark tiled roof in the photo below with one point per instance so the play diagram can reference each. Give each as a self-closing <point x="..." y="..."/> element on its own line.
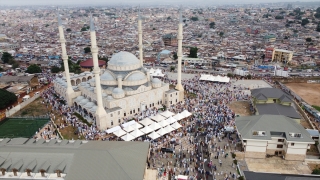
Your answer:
<point x="277" y="109"/>
<point x="270" y="93"/>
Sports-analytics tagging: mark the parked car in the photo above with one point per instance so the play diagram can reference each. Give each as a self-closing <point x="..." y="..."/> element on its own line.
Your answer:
<point x="204" y="67"/>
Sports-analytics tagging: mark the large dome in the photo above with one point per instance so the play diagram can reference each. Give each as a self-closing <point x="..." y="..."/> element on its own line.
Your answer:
<point x="124" y="61"/>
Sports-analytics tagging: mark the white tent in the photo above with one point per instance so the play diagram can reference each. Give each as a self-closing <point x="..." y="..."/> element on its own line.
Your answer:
<point x="136" y="126"/>
<point x="137" y="133"/>
<point x="119" y="132"/>
<point x="218" y="78"/>
<point x="128" y="128"/>
<point x="178" y="116"/>
<point x="127" y="137"/>
<point x="154" y="126"/>
<point x="128" y="124"/>
<point x="113" y="129"/>
<point x="171" y="120"/>
<point x="176" y="125"/>
<point x="167" y="114"/>
<point x="162" y="131"/>
<point x="163" y="123"/>
<point x="146" y="130"/>
<point x="153" y="135"/>
<point x="168" y="128"/>
<point x="158" y="118"/>
<point x="146" y="121"/>
<point x="185" y="113"/>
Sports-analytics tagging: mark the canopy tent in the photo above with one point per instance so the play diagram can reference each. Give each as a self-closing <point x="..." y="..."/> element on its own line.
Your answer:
<point x="113" y="129"/>
<point x="128" y="124"/>
<point x="156" y="73"/>
<point x="171" y="120"/>
<point x="205" y="77"/>
<point x="178" y="116"/>
<point x="186" y="113"/>
<point x="128" y="128"/>
<point x="119" y="132"/>
<point x="168" y="128"/>
<point x="136" y="125"/>
<point x="137" y="133"/>
<point x="162" y="131"/>
<point x="158" y="118"/>
<point x="127" y="137"/>
<point x="146" y="121"/>
<point x="163" y="123"/>
<point x="153" y="135"/>
<point x="146" y="130"/>
<point x="167" y="114"/>
<point x="154" y="126"/>
<point x="176" y="125"/>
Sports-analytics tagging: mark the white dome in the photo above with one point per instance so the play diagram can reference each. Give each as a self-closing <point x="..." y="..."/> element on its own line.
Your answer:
<point x="156" y="80"/>
<point x="123" y="58"/>
<point x="136" y="76"/>
<point x="107" y="76"/>
<point x="117" y="91"/>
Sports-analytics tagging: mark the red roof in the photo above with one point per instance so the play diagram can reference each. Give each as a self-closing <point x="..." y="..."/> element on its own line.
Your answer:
<point x="89" y="63"/>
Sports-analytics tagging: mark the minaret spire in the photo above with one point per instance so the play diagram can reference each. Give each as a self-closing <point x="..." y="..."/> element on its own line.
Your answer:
<point x="140" y="38"/>
<point x="101" y="115"/>
<point x="179" y="54"/>
<point x="70" y="92"/>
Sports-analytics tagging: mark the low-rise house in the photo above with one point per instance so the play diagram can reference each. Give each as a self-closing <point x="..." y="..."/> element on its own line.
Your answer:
<point x="273" y="135"/>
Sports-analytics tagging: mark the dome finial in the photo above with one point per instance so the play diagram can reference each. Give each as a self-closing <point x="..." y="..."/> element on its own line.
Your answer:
<point x="92" y="28"/>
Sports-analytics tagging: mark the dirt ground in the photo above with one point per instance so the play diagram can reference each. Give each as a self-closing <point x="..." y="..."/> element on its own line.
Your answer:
<point x="308" y="91"/>
<point x="36" y="108"/>
<point x="305" y="124"/>
<point x="313" y="166"/>
<point x="241" y="107"/>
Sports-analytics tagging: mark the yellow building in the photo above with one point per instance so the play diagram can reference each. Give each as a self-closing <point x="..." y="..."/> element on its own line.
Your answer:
<point x="281" y="55"/>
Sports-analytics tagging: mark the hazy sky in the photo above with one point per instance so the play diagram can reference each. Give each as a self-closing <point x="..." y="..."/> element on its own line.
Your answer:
<point x="141" y="2"/>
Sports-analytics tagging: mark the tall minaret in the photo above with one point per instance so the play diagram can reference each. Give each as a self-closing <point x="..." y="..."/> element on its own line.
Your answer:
<point x="140" y="38"/>
<point x="101" y="114"/>
<point x="179" y="86"/>
<point x="70" y="92"/>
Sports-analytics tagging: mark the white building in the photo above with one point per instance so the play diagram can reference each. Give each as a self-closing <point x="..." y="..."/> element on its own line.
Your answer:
<point x="124" y="89"/>
<point x="273" y="135"/>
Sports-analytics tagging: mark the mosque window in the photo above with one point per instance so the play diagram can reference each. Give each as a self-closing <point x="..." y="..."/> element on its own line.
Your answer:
<point x="124" y="114"/>
<point x="176" y="100"/>
<point x="170" y="95"/>
<point x="134" y="111"/>
<point x="176" y="93"/>
<point x="152" y="104"/>
<point x="119" y="121"/>
<point x="138" y="109"/>
<point x="118" y="112"/>
<point x="111" y="115"/>
<point x="111" y="123"/>
<point x="130" y="112"/>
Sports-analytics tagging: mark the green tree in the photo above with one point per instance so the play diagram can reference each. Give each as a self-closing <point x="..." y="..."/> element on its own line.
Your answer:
<point x="304" y="22"/>
<point x="7" y="98"/>
<point x="193" y="52"/>
<point x="316" y="171"/>
<point x="55" y="69"/>
<point x="308" y="39"/>
<point x="33" y="69"/>
<point x="172" y="68"/>
<point x="104" y="58"/>
<point x="87" y="50"/>
<point x="212" y="25"/>
<point x="68" y="30"/>
<point x="6" y="57"/>
<point x="175" y="56"/>
<point x="194" y="18"/>
<point x="221" y="34"/>
<point x="279" y="17"/>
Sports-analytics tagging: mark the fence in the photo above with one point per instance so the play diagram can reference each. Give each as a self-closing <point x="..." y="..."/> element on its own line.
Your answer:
<point x="21" y="106"/>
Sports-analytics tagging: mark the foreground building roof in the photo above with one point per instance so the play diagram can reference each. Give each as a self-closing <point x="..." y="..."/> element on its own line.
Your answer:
<point x="76" y="160"/>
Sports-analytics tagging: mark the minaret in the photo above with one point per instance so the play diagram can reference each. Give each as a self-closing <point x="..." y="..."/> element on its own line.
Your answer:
<point x="69" y="92"/>
<point x="179" y="86"/>
<point x="140" y="38"/>
<point x="101" y="114"/>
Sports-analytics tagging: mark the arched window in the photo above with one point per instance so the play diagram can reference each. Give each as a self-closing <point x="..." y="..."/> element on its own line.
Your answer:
<point x="111" y="123"/>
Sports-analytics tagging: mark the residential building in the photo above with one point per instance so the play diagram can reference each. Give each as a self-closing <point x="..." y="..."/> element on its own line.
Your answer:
<point x="273" y="135"/>
<point x="281" y="55"/>
<point x="170" y="40"/>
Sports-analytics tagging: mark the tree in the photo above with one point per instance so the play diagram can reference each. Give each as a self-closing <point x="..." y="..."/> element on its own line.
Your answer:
<point x="304" y="22"/>
<point x="175" y="56"/>
<point x="55" y="69"/>
<point x="68" y="30"/>
<point x="172" y="68"/>
<point x="279" y="17"/>
<point x="316" y="171"/>
<point x="104" y="58"/>
<point x="194" y="18"/>
<point x="212" y="25"/>
<point x="318" y="27"/>
<point x="193" y="52"/>
<point x="6" y="57"/>
<point x="7" y="98"/>
<point x="87" y="50"/>
<point x="308" y="39"/>
<point x="221" y="34"/>
<point x="33" y="69"/>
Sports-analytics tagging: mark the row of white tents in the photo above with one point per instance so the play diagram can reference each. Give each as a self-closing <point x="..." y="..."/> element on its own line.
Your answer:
<point x="156" y="72"/>
<point x="205" y="77"/>
<point x="153" y="127"/>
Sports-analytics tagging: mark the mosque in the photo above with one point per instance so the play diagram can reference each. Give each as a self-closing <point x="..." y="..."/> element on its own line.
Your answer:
<point x="105" y="96"/>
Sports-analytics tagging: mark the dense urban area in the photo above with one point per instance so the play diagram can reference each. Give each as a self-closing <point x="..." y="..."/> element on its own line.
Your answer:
<point x="162" y="92"/>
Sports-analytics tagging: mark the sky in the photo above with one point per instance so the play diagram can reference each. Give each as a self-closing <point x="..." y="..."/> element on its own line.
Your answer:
<point x="136" y="2"/>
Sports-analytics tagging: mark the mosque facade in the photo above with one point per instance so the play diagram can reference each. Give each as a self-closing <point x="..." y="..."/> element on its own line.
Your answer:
<point x="123" y="89"/>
